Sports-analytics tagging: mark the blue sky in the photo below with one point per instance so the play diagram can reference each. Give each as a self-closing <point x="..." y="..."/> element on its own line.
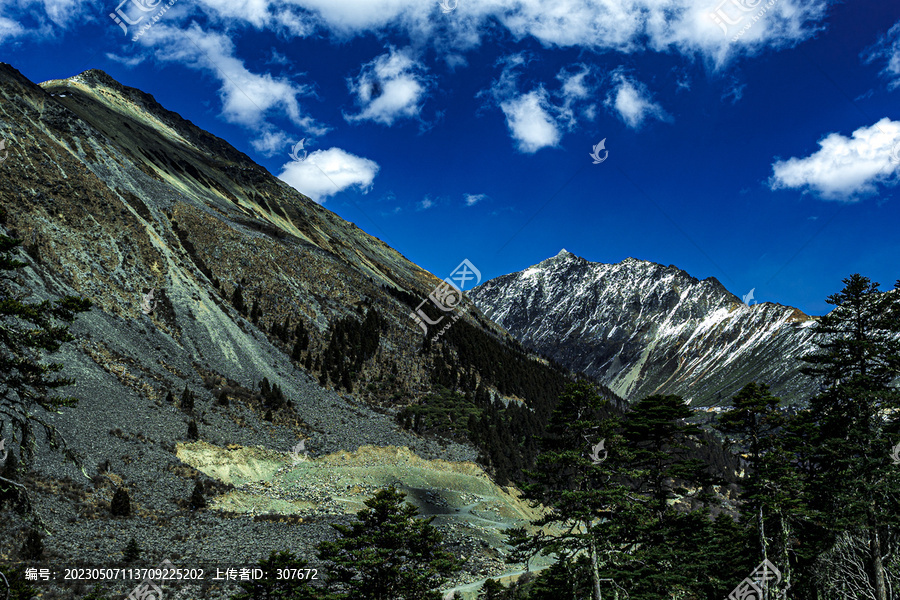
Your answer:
<point x="756" y="141"/>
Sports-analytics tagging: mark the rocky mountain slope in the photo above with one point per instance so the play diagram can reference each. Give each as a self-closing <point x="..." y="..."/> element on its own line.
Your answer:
<point x="115" y="196"/>
<point x="643" y="328"/>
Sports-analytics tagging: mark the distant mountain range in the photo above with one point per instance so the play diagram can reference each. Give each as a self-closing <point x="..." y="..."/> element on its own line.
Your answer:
<point x="643" y="328"/>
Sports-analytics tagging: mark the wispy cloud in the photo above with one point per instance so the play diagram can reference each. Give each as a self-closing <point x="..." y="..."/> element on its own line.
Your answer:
<point x="631" y="101"/>
<point x="887" y="51"/>
<point x="248" y="99"/>
<point x="390" y="87"/>
<point x="624" y="26"/>
<point x="844" y="168"/>
<point x="473" y="199"/>
<point x="734" y="91"/>
<point x="538" y="118"/>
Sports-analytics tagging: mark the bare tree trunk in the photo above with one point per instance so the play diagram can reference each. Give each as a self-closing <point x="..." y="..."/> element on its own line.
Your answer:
<point x="877" y="567"/>
<point x="595" y="569"/>
<point x="785" y="541"/>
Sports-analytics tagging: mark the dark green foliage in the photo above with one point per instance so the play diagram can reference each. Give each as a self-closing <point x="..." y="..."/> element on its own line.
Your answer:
<point x="187" y="400"/>
<point x="566" y="579"/>
<point x="772" y="491"/>
<point x="388" y="554"/>
<point x="120" y="506"/>
<point x="505" y="435"/>
<point x="659" y="439"/>
<point x="301" y="335"/>
<point x="31" y="331"/>
<point x="493" y="590"/>
<point x="132" y="551"/>
<point x="192" y="252"/>
<point x="853" y="425"/>
<point x="198" y="501"/>
<point x="19" y="589"/>
<point x="272" y="588"/>
<point x="255" y="312"/>
<point x="272" y="396"/>
<point x="192" y="432"/>
<point x="32" y="547"/>
<point x="442" y="412"/>
<point x="351" y="343"/>
<point x="237" y="300"/>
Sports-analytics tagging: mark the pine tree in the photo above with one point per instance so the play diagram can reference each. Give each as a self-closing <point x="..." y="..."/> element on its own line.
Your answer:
<point x="198" y="501"/>
<point x="575" y="488"/>
<point x="132" y="551"/>
<point x="192" y="432"/>
<point x="187" y="400"/>
<point x="255" y="312"/>
<point x="120" y="506"/>
<point x="237" y="300"/>
<point x="32" y="547"/>
<point x="30" y="331"/>
<point x="772" y="488"/>
<point x="855" y="487"/>
<point x="388" y="554"/>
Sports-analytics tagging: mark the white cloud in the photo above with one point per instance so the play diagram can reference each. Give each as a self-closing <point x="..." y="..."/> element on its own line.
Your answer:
<point x="574" y="85"/>
<point x="625" y="26"/>
<point x="845" y="168"/>
<point x="538" y="118"/>
<point x="618" y="25"/>
<point x="270" y="142"/>
<point x="425" y="204"/>
<point x="632" y="101"/>
<point x="530" y="121"/>
<point x="324" y="173"/>
<point x="248" y="99"/>
<point x="128" y="61"/>
<point x="9" y="29"/>
<point x="887" y="50"/>
<point x="473" y="199"/>
<point x="389" y="88"/>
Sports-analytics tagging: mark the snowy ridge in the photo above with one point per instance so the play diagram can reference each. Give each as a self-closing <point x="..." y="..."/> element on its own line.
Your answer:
<point x="645" y="328"/>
